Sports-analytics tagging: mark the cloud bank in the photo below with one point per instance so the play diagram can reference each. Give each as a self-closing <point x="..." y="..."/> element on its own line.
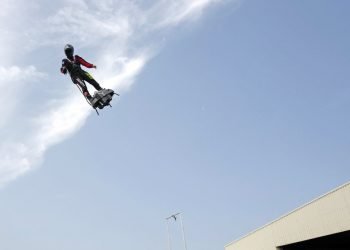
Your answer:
<point x="114" y="30"/>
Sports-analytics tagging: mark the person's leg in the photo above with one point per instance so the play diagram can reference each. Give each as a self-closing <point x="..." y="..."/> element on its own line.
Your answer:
<point x="83" y="88"/>
<point x="87" y="77"/>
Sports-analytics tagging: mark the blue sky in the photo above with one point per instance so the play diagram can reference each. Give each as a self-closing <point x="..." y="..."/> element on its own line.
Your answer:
<point x="232" y="112"/>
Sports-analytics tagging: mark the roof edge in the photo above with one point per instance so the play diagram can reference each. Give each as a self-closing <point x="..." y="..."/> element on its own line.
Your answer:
<point x="289" y="213"/>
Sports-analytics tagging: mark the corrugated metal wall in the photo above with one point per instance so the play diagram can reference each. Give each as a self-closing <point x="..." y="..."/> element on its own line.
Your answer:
<point x="326" y="215"/>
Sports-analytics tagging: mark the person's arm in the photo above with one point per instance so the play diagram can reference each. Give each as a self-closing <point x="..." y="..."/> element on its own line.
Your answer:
<point x="85" y="63"/>
<point x="63" y="68"/>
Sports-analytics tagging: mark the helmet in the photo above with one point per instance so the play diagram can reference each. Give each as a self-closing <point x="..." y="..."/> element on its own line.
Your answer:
<point x="69" y="50"/>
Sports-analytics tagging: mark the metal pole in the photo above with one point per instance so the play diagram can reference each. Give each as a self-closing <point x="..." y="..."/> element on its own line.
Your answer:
<point x="169" y="240"/>
<point x="183" y="232"/>
<point x="182" y="228"/>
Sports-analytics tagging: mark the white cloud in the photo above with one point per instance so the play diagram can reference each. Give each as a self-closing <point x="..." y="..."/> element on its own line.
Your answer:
<point x="114" y="29"/>
<point x="176" y="11"/>
<point x="12" y="82"/>
<point x="53" y="127"/>
<point x="15" y="74"/>
<point x="16" y="159"/>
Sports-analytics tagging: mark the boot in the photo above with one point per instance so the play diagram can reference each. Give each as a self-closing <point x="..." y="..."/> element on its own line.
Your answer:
<point x="88" y="96"/>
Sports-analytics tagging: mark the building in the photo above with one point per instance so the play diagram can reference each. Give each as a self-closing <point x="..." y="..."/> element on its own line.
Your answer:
<point x="323" y="223"/>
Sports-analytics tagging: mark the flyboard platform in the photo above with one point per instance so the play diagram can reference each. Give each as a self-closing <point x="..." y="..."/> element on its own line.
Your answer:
<point x="102" y="98"/>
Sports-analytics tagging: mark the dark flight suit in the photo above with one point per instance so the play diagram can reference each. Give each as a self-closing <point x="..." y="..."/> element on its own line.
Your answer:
<point x="73" y="66"/>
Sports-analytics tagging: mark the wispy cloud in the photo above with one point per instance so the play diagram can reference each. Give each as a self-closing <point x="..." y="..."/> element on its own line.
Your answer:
<point x="12" y="82"/>
<point x="113" y="29"/>
<point x="172" y="13"/>
<point x="15" y="74"/>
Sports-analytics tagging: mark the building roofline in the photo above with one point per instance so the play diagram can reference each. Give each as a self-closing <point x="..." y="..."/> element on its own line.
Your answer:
<point x="287" y="214"/>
